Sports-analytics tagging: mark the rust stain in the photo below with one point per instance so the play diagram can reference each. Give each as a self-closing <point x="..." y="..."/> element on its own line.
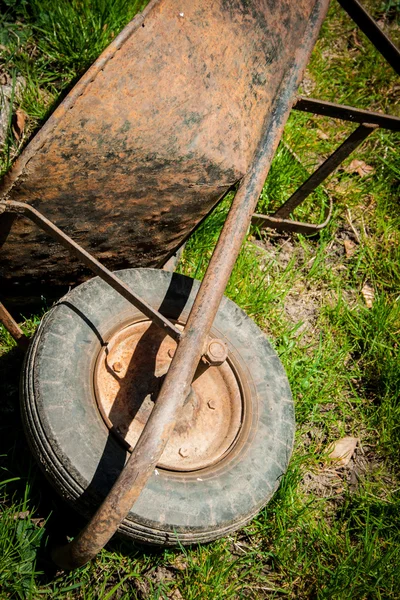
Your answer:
<point x="129" y="373"/>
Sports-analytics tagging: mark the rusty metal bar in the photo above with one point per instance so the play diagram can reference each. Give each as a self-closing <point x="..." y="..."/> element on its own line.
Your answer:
<point x="261" y="221"/>
<point x="374" y="33"/>
<point x="327" y="167"/>
<point x="176" y="386"/>
<point x="346" y="113"/>
<point x="31" y="213"/>
<point x="13" y="328"/>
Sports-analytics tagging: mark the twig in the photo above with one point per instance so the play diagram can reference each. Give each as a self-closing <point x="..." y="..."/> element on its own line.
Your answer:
<point x="350" y="222"/>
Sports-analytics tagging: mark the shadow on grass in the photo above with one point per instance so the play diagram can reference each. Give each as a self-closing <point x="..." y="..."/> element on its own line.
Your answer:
<point x="25" y="481"/>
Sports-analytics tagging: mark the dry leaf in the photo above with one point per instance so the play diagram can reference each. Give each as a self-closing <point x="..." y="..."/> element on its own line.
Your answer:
<point x="180" y="563"/>
<point x="360" y="167"/>
<point x="342" y="450"/>
<point x="322" y="135"/>
<point x="175" y="595"/>
<point x="21" y="515"/>
<point x="350" y="248"/>
<point x="19" y="120"/>
<point x="369" y="294"/>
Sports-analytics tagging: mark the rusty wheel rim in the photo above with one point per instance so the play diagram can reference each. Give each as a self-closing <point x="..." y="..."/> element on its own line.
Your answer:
<point x="128" y="374"/>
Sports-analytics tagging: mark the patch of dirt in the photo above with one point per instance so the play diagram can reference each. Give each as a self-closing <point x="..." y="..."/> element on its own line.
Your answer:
<point x="312" y="434"/>
<point x="308" y="84"/>
<point x="323" y="484"/>
<point x="302" y="306"/>
<point x="153" y="580"/>
<point x="336" y="251"/>
<point x="279" y="248"/>
<point x="330" y="481"/>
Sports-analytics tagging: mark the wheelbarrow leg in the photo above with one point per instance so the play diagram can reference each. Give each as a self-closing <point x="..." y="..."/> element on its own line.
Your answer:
<point x="13" y="328"/>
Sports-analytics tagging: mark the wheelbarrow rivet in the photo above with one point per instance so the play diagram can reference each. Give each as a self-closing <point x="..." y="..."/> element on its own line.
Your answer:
<point x="183" y="452"/>
<point x="211" y="404"/>
<point x="171" y="352"/>
<point x="117" y="367"/>
<point x="216" y="353"/>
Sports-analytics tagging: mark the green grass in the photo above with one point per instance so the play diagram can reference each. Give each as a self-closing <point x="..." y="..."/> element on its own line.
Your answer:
<point x="328" y="533"/>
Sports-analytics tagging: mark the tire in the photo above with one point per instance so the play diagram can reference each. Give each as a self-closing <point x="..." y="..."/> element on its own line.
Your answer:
<point x="82" y="459"/>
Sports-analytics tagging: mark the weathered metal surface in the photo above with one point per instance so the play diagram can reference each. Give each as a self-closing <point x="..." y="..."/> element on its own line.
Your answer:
<point x="290" y="36"/>
<point x="128" y="376"/>
<point x="160" y="127"/>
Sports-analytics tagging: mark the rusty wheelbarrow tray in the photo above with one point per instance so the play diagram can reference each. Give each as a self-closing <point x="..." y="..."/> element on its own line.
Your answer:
<point x="185" y="104"/>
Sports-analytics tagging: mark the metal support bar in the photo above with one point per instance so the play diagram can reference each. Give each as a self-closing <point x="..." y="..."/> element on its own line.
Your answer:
<point x="119" y="286"/>
<point x="372" y="30"/>
<point x="327" y="167"/>
<point x="262" y="221"/>
<point x="346" y="113"/>
<point x="13" y="328"/>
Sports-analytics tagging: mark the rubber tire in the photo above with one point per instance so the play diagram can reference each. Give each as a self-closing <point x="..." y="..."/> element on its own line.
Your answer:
<point x="82" y="460"/>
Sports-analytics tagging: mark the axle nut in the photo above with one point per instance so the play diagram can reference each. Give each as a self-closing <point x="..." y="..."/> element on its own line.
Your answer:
<point x="216" y="353"/>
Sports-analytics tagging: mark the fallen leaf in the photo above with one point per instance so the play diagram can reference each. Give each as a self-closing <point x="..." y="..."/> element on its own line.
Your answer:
<point x="19" y="120"/>
<point x="350" y="248"/>
<point x="180" y="563"/>
<point x="21" y="515"/>
<point x="176" y="595"/>
<point x="360" y="167"/>
<point x="369" y="294"/>
<point x="342" y="450"/>
<point x="322" y="135"/>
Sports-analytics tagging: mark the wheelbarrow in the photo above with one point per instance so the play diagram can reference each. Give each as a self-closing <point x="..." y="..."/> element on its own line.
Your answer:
<point x="145" y="393"/>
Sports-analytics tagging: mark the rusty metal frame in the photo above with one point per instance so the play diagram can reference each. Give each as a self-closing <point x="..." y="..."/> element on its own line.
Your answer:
<point x="327" y="167"/>
<point x="368" y="120"/>
<point x="346" y="113"/>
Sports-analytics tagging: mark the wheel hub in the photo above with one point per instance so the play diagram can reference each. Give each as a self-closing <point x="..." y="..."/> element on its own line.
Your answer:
<point x="128" y="376"/>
